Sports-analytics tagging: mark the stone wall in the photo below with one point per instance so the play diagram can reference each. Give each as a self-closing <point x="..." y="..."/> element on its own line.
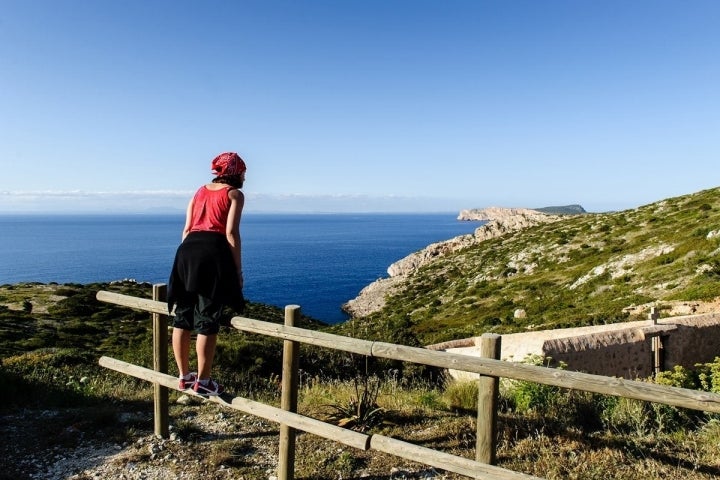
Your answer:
<point x="616" y="350"/>
<point x="697" y="341"/>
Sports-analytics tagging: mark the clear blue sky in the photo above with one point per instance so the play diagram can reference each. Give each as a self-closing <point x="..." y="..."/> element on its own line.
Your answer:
<point x="358" y="105"/>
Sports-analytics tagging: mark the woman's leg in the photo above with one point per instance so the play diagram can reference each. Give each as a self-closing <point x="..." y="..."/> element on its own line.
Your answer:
<point x="207" y="322"/>
<point x="181" y="349"/>
<point x="205" y="348"/>
<point x="183" y="324"/>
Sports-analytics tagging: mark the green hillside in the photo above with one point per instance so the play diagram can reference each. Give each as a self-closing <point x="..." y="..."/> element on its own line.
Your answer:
<point x="583" y="270"/>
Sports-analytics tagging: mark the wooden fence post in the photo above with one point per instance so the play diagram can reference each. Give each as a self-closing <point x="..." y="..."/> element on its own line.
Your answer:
<point x="488" y="392"/>
<point x="160" y="362"/>
<point x="656" y="345"/>
<point x="288" y="400"/>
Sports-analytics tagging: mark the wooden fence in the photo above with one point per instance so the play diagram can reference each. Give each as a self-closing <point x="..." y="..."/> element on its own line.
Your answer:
<point x="489" y="368"/>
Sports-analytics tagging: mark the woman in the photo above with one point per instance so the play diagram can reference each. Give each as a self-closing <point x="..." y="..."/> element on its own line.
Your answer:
<point x="207" y="271"/>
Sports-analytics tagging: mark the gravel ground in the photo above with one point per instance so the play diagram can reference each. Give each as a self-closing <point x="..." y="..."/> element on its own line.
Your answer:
<point x="206" y="442"/>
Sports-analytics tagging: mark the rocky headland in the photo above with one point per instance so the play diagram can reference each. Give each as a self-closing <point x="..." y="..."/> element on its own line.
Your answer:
<point x="498" y="221"/>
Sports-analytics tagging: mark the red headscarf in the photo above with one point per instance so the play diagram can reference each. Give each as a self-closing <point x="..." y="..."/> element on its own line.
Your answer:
<point x="228" y="163"/>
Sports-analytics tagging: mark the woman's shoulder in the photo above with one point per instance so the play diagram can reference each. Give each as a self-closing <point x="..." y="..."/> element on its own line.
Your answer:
<point x="235" y="194"/>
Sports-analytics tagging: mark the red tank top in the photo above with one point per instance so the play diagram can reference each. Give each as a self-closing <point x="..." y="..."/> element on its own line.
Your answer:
<point x="210" y="210"/>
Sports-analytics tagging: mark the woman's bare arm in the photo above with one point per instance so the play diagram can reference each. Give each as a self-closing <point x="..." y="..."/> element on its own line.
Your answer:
<point x="188" y="218"/>
<point x="232" y="228"/>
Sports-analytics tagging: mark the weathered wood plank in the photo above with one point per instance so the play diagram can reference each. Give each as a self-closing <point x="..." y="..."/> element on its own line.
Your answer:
<point x="679" y="397"/>
<point x="311" y="337"/>
<point x="274" y="414"/>
<point x="146" y="304"/>
<point x="446" y="461"/>
<point x="288" y="398"/>
<point x="488" y="393"/>
<point x="160" y="364"/>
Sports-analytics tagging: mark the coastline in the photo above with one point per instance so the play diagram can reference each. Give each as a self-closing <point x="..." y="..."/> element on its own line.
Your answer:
<point x="497" y="221"/>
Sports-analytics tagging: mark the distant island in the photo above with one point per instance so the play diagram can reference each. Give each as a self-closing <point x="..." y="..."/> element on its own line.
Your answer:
<point x="562" y="210"/>
<point x="494" y="213"/>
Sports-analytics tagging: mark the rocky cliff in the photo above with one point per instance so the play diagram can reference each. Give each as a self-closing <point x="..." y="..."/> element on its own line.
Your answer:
<point x="506" y="216"/>
<point x="499" y="221"/>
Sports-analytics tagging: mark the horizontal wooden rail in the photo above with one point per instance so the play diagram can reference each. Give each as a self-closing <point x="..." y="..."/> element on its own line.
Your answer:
<point x="301" y="422"/>
<point x="445" y="461"/>
<point x="679" y="397"/>
<point x="146" y="304"/>
<point x="351" y="438"/>
<point x="487" y="367"/>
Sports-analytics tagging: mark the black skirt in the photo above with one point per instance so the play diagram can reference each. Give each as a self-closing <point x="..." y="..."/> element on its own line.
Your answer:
<point x="204" y="265"/>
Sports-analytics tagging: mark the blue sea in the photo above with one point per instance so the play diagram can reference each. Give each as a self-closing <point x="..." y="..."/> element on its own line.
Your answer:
<point x="317" y="261"/>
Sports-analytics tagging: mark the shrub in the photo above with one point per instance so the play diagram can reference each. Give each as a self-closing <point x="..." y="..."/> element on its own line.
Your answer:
<point x="462" y="396"/>
<point x="431" y="399"/>
<point x="625" y="415"/>
<point x="709" y="376"/>
<point x="361" y="412"/>
<point x="677" y="377"/>
<point x="527" y="396"/>
<point x="52" y="377"/>
<point x="642" y="418"/>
